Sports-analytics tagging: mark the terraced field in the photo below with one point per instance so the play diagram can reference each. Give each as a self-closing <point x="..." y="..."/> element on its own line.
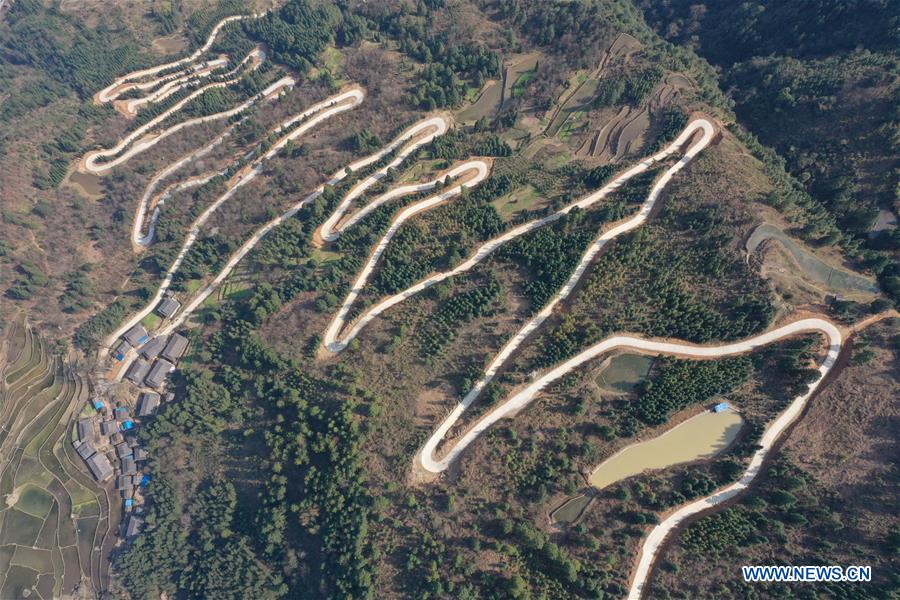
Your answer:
<point x="53" y="520"/>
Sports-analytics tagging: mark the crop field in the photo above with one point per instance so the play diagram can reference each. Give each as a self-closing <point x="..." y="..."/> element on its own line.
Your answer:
<point x="578" y="102"/>
<point x="49" y="508"/>
<point x="463" y="288"/>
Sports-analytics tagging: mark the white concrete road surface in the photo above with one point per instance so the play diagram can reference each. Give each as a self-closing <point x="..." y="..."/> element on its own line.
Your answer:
<point x="425" y="457"/>
<point x="417" y="136"/>
<point x="100" y="161"/>
<point x="490" y="246"/>
<point x="475" y="171"/>
<point x="654" y="540"/>
<point x="113" y="90"/>
<point x="309" y="118"/>
<point x="470" y="173"/>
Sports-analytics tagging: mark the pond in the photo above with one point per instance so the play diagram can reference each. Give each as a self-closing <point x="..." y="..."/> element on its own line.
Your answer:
<point x="702" y="436"/>
<point x="89" y="185"/>
<point x="570" y="510"/>
<point x="623" y="372"/>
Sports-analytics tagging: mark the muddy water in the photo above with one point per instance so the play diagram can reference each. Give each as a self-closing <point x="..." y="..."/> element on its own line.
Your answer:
<point x="702" y="436"/>
<point x="86" y="183"/>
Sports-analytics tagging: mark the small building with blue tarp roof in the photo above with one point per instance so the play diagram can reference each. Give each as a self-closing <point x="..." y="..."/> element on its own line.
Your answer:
<point x="721" y="407"/>
<point x="121" y="350"/>
<point x="98" y="404"/>
<point x="145" y="480"/>
<point x="127" y="425"/>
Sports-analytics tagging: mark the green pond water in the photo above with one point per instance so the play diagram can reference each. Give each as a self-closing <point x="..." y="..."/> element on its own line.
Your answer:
<point x="571" y="510"/>
<point x="624" y="372"/>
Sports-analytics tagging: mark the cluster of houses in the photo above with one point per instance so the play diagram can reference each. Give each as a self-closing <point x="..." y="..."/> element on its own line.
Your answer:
<point x="109" y="447"/>
<point x="106" y="440"/>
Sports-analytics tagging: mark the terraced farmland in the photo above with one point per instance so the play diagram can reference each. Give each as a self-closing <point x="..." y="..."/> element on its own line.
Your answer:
<point x="52" y="517"/>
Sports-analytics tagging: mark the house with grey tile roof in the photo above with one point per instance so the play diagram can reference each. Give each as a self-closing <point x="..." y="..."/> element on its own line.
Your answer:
<point x="157" y="376"/>
<point x="121" y="350"/>
<point x="85" y="428"/>
<point x="123" y="450"/>
<point x="129" y="467"/>
<point x="147" y="404"/>
<point x="152" y="348"/>
<point x="137" y="336"/>
<point x="109" y="427"/>
<point x="140" y="454"/>
<point x="100" y="467"/>
<point x="175" y="347"/>
<point x="168" y="307"/>
<point x="137" y="371"/>
<point x="134" y="526"/>
<point x="84" y="449"/>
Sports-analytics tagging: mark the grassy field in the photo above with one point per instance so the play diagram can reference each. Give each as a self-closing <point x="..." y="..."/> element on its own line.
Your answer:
<point x="526" y="198"/>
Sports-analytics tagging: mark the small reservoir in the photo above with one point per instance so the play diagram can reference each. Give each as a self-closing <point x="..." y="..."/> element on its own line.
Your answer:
<point x="702" y="436"/>
<point x="89" y="185"/>
<point x="623" y="372"/>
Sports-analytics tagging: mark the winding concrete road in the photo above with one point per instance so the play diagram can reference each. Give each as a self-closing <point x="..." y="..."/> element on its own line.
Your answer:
<point x="308" y="119"/>
<point x="201" y="71"/>
<point x="654" y="540"/>
<point x="117" y="87"/>
<point x="417" y="132"/>
<point x="420" y="134"/>
<point x="471" y="172"/>
<point x="151" y="200"/>
<point x="95" y="162"/>
<point x="485" y="250"/>
<point x="425" y="456"/>
<point x="475" y="171"/>
<point x="143" y="240"/>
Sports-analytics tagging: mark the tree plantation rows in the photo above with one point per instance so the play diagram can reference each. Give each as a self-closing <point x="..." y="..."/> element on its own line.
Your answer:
<point x="684" y="383"/>
<point x="443" y="325"/>
<point x="291" y="468"/>
<point x="650" y="268"/>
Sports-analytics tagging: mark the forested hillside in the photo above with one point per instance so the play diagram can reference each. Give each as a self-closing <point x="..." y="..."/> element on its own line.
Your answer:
<point x="818" y="82"/>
